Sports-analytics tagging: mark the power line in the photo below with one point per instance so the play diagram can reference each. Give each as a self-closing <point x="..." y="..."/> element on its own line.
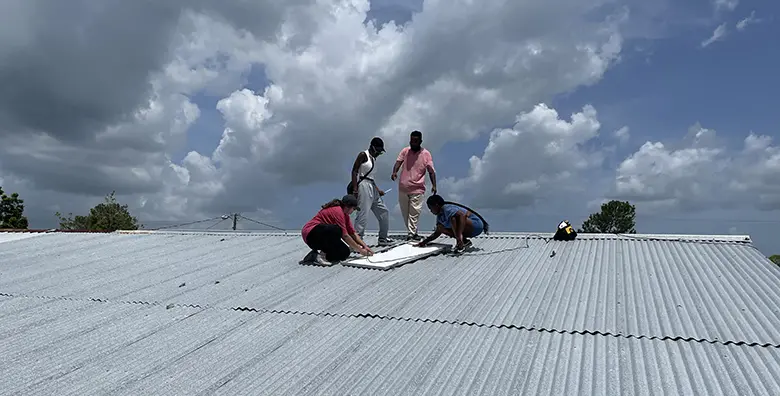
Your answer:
<point x="190" y="223"/>
<point x="234" y="216"/>
<point x="218" y="223"/>
<point x="261" y="223"/>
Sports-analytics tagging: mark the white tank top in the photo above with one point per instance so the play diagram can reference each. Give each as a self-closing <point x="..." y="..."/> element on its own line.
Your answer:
<point x="366" y="166"/>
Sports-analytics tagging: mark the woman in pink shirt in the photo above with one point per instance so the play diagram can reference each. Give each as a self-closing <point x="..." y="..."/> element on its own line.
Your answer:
<point x="330" y="233"/>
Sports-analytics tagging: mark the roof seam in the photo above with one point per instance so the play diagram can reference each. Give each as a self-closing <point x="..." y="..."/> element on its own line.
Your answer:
<point x="405" y="319"/>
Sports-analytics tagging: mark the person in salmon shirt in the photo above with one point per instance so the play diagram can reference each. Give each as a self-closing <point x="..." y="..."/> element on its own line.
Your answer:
<point x="330" y="233"/>
<point x="411" y="186"/>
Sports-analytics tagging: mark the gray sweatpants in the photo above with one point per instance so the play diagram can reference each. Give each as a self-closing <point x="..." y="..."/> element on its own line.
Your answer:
<point x="368" y="198"/>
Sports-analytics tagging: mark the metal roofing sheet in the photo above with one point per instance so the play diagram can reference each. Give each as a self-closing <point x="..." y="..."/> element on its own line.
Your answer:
<point x="6" y="236"/>
<point x="85" y="313"/>
<point x="83" y="347"/>
<point x="723" y="292"/>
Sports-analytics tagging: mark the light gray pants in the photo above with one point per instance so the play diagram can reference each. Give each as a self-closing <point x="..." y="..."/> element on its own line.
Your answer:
<point x="368" y="198"/>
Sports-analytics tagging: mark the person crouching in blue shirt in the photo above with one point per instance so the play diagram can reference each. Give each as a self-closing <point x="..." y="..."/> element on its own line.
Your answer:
<point x="456" y="221"/>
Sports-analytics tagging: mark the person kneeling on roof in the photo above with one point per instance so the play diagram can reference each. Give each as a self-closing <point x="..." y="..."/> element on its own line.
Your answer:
<point x="328" y="231"/>
<point x="456" y="221"/>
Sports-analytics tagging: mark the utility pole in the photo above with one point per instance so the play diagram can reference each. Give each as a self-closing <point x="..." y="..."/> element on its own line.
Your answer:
<point x="235" y="220"/>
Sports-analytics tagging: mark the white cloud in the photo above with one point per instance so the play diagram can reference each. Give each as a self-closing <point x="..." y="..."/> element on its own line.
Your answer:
<point x="538" y="158"/>
<point x="747" y="21"/>
<point x="728" y="5"/>
<point x="702" y="173"/>
<point x="335" y="81"/>
<point x="623" y="134"/>
<point x="357" y="78"/>
<point x="718" y="34"/>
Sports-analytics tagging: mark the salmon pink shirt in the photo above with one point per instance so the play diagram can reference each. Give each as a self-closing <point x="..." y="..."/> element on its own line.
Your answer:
<point x="333" y="215"/>
<point x="412" y="179"/>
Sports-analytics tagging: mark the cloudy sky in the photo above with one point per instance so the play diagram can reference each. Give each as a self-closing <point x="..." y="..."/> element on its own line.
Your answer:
<point x="535" y="111"/>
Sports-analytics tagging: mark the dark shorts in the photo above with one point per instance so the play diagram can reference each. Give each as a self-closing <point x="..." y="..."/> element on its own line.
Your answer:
<point x="478" y="228"/>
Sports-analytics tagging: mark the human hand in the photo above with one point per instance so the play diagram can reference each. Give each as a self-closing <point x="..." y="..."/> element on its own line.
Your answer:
<point x="394" y="176"/>
<point x="366" y="252"/>
<point x="381" y="193"/>
<point x="459" y="245"/>
<point x="433" y="190"/>
<point x="421" y="243"/>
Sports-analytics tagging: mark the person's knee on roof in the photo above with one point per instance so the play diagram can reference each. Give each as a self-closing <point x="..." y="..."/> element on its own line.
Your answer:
<point x="454" y="220"/>
<point x="330" y="229"/>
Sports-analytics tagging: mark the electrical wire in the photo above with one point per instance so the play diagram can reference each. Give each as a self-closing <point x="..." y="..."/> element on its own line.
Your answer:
<point x="511" y="249"/>
<point x="263" y="224"/>
<point x="217" y="223"/>
<point x="185" y="224"/>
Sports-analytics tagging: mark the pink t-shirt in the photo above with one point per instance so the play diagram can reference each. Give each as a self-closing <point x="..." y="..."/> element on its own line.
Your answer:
<point x="333" y="215"/>
<point x="412" y="179"/>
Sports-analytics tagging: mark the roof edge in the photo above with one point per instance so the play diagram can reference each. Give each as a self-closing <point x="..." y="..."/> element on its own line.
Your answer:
<point x="493" y="235"/>
<point x="665" y="237"/>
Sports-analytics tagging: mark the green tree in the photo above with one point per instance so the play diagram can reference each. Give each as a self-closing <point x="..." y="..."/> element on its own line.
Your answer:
<point x="12" y="211"/>
<point x="775" y="258"/>
<point x="616" y="217"/>
<point x="106" y="216"/>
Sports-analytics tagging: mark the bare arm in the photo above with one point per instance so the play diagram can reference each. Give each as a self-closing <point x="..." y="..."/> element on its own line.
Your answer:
<point x="397" y="166"/>
<point x="359" y="241"/>
<point x="354" y="241"/>
<point x="458" y="225"/>
<point x="432" y="174"/>
<point x="432" y="237"/>
<point x="361" y="158"/>
<point x="350" y="240"/>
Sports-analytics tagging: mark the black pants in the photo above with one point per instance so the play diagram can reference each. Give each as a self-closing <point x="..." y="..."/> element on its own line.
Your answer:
<point x="327" y="238"/>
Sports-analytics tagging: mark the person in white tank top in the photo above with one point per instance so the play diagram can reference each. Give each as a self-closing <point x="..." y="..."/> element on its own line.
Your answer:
<point x="368" y="193"/>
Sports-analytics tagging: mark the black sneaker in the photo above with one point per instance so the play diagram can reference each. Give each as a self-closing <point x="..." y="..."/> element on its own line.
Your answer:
<point x="311" y="257"/>
<point x="386" y="242"/>
<point x="413" y="237"/>
<point x="466" y="244"/>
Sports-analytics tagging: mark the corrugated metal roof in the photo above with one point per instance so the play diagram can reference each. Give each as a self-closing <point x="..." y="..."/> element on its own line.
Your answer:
<point x="8" y="236"/>
<point x="86" y="313"/>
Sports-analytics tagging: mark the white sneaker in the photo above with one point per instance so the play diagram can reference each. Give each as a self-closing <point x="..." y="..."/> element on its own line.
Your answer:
<point x="321" y="260"/>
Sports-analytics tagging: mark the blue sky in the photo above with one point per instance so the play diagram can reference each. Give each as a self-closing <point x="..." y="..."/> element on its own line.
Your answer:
<point x="666" y="82"/>
<point x="660" y="88"/>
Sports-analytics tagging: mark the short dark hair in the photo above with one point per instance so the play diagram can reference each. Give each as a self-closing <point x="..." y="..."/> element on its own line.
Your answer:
<point x="416" y="134"/>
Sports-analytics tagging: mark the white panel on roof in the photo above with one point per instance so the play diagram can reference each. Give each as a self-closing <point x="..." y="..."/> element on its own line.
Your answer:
<point x="396" y="256"/>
